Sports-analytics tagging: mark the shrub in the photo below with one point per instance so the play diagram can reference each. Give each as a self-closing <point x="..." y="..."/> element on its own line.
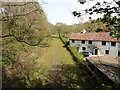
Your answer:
<point x="77" y="55"/>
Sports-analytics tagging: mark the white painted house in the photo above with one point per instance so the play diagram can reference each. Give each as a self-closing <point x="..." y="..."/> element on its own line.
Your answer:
<point x="96" y="43"/>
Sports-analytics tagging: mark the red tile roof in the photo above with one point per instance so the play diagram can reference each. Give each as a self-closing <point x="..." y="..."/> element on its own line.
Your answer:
<point x="94" y="36"/>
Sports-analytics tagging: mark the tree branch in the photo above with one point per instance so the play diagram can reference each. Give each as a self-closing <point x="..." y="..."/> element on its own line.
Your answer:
<point x="18" y="15"/>
<point x="20" y="40"/>
<point x="18" y="4"/>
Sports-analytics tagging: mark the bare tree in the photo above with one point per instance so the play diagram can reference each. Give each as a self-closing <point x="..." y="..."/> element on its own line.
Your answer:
<point x="19" y="18"/>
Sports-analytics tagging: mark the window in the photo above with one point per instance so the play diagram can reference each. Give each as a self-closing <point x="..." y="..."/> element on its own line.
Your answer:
<point x="73" y="41"/>
<point x="113" y="43"/>
<point x="90" y="42"/>
<point x="83" y="41"/>
<point x="104" y="43"/>
<point x="106" y="51"/>
<point x="83" y="48"/>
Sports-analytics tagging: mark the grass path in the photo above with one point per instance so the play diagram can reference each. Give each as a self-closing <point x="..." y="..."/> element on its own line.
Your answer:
<point x="59" y="70"/>
<point x="56" y="54"/>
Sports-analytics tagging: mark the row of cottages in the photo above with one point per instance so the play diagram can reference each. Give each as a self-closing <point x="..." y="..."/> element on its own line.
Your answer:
<point x="96" y="43"/>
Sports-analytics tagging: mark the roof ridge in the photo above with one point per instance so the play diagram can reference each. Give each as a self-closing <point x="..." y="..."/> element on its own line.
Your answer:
<point x="95" y="36"/>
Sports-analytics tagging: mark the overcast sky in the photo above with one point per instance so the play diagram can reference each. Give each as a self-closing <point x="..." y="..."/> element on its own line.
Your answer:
<point x="61" y="10"/>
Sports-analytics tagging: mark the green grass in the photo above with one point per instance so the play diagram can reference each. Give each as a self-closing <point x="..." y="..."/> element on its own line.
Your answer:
<point x="56" y="55"/>
<point x="58" y="69"/>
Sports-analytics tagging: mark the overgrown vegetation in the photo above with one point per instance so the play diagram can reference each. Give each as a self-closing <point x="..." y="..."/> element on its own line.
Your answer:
<point x="19" y="63"/>
<point x="23" y="36"/>
<point x="79" y="56"/>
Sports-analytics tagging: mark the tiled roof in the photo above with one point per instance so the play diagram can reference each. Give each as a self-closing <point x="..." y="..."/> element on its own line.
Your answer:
<point x="94" y="36"/>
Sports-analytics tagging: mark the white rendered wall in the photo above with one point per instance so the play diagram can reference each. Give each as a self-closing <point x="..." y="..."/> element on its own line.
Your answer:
<point x="113" y="50"/>
<point x="119" y="46"/>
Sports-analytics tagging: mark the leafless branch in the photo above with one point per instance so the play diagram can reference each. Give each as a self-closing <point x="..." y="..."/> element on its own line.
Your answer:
<point x="20" y="40"/>
<point x="18" y="15"/>
<point x="17" y="4"/>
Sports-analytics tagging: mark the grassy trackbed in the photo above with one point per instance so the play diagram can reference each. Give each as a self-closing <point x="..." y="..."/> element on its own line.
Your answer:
<point x="56" y="54"/>
<point x="58" y="69"/>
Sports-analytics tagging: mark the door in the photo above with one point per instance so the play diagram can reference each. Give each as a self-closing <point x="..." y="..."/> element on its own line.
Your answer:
<point x="118" y="53"/>
<point x="78" y="49"/>
<point x="96" y="51"/>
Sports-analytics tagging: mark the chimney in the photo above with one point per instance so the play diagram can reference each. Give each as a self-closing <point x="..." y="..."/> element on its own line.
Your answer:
<point x="83" y="31"/>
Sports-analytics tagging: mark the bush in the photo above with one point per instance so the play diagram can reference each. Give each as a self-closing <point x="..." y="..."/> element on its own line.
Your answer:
<point x="77" y="55"/>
